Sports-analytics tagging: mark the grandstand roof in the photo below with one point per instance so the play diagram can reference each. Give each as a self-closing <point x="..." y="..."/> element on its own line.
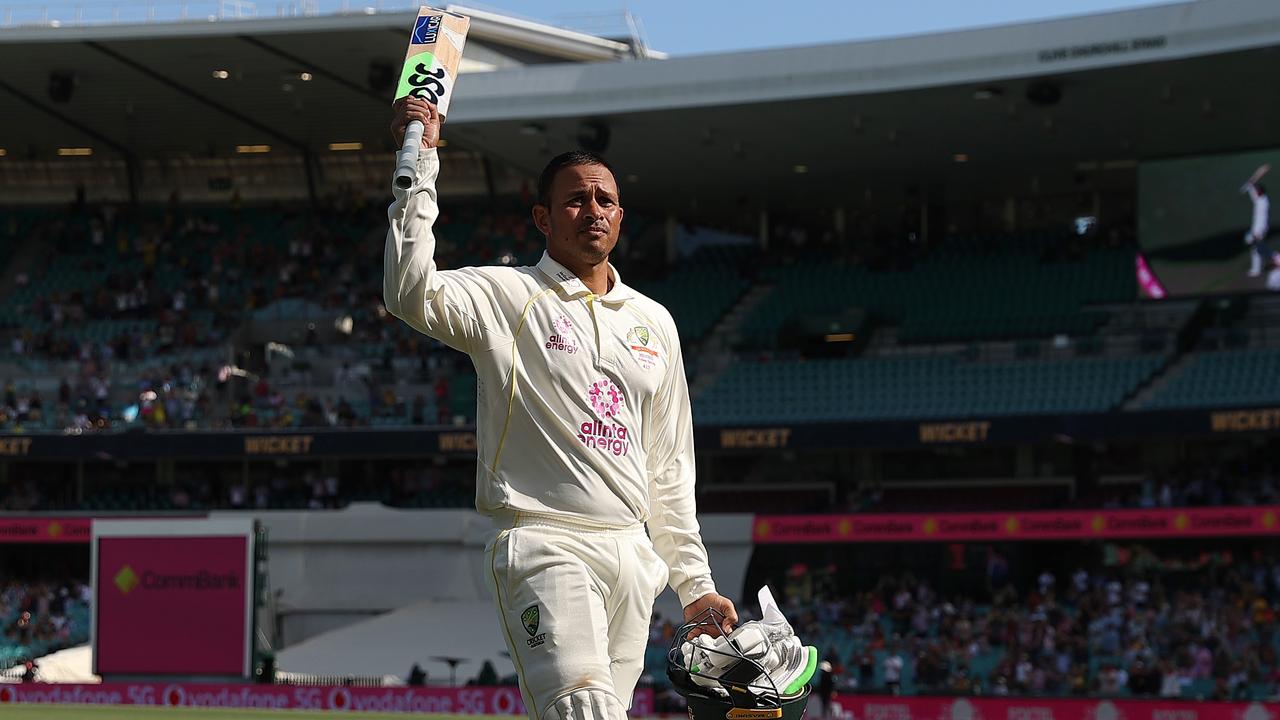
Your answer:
<point x="1027" y="106"/>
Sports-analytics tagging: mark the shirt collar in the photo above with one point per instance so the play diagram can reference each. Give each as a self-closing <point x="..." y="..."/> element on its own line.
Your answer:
<point x="570" y="285"/>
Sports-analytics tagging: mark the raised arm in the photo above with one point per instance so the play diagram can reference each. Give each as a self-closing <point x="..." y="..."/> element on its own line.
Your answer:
<point x="1250" y="186"/>
<point x="457" y="307"/>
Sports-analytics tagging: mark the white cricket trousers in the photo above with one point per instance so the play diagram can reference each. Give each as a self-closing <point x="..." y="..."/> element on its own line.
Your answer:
<point x="574" y="602"/>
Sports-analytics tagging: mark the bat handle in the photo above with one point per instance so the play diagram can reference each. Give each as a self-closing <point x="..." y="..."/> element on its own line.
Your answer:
<point x="407" y="158"/>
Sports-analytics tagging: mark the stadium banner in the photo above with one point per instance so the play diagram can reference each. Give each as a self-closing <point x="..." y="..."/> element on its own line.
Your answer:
<point x="415" y="442"/>
<point x="44" y="530"/>
<point x="443" y="700"/>
<point x="1016" y="526"/>
<point x="157" y="580"/>
<point x="868" y="707"/>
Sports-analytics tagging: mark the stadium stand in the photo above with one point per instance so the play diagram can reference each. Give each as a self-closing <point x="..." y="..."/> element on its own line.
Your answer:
<point x="114" y="305"/>
<point x="148" y="347"/>
<point x="917" y="387"/>
<point x="39" y="618"/>
<point x="1240" y="377"/>
<point x="1000" y="294"/>
<point x="1156" y="629"/>
<point x="700" y="289"/>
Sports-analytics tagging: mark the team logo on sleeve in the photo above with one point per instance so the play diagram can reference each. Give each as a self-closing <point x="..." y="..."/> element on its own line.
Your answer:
<point x="530" y="619"/>
<point x="638" y="344"/>
<point x="561" y="338"/>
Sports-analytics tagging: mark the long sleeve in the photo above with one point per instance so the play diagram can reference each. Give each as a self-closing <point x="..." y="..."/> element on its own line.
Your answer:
<point x="457" y="307"/>
<point x="673" y="522"/>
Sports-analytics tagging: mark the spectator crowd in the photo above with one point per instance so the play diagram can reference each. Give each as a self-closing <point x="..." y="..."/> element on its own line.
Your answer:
<point x="39" y="617"/>
<point x="1138" y="625"/>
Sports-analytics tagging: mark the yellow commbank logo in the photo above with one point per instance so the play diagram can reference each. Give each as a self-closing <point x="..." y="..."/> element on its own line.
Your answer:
<point x="126" y="579"/>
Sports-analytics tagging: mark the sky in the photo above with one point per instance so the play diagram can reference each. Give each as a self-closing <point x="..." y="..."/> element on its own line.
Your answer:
<point x="678" y="27"/>
<point x="686" y="27"/>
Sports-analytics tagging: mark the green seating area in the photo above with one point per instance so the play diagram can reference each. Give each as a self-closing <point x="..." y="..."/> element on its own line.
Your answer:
<point x="232" y="258"/>
<point x="952" y="296"/>
<point x="918" y="387"/>
<point x="1223" y="378"/>
<point x="699" y="290"/>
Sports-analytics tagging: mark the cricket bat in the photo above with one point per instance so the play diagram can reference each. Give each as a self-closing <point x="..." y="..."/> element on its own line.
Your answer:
<point x="429" y="72"/>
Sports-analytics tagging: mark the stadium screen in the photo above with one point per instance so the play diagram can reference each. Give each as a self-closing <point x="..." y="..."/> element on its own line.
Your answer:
<point x="1193" y="218"/>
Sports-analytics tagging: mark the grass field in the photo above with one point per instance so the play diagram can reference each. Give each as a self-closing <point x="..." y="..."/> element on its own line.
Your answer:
<point x="134" y="712"/>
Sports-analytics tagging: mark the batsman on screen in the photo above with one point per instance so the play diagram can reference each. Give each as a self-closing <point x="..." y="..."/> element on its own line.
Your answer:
<point x="584" y="431"/>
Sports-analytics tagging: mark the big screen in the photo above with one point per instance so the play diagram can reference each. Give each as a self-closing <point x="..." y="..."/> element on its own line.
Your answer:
<point x="1193" y="217"/>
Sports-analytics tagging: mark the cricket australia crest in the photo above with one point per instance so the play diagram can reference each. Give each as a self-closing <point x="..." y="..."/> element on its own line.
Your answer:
<point x="638" y="342"/>
<point x="530" y="618"/>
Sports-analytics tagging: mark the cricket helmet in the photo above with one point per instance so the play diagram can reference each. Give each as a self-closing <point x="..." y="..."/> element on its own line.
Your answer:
<point x="751" y="674"/>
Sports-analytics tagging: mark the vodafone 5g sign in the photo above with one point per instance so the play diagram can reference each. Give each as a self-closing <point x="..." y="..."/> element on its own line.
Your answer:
<point x="172" y="597"/>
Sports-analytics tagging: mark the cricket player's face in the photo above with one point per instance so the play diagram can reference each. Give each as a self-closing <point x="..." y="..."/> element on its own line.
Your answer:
<point x="584" y="218"/>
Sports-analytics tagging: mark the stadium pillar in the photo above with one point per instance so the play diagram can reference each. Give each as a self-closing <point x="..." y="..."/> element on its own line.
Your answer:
<point x="839" y="223"/>
<point x="1010" y="215"/>
<point x="489" y="185"/>
<point x="1085" y="475"/>
<point x="309" y="164"/>
<point x="131" y="176"/>
<point x="763" y="229"/>
<point x="1024" y="462"/>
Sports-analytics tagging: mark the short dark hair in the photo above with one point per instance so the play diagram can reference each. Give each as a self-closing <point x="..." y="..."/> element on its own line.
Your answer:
<point x="573" y="158"/>
<point x="1262" y="189"/>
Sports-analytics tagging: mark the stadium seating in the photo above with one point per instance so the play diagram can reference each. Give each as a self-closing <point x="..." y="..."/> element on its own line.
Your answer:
<point x="921" y="386"/>
<point x="45" y="634"/>
<point x="952" y="295"/>
<point x="979" y="643"/>
<point x="700" y="289"/>
<point x="1223" y="379"/>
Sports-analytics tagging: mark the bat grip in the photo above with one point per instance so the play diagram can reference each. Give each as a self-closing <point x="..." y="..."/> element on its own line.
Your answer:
<point x="407" y="158"/>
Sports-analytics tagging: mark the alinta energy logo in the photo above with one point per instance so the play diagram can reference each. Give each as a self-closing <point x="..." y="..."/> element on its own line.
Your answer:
<point x="127" y="580"/>
<point x="607" y="401"/>
<point x="562" y="339"/>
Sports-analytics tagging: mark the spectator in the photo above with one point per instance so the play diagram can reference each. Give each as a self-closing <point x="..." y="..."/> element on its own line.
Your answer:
<point x="893" y="671"/>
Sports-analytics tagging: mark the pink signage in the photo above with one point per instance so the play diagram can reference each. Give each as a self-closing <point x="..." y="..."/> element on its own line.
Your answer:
<point x="1147" y="281"/>
<point x="44" y="530"/>
<point x="172" y="605"/>
<point x="1054" y="525"/>
<point x="445" y="700"/>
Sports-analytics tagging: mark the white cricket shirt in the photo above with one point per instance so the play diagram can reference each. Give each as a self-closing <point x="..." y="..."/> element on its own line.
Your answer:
<point x="582" y="404"/>
<point x="1261" y="212"/>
